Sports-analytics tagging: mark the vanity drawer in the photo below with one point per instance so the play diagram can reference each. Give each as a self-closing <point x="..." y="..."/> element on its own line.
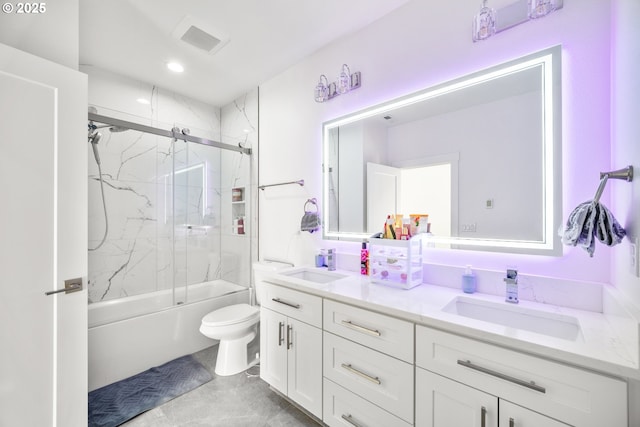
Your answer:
<point x="383" y="333"/>
<point x="376" y="377"/>
<point x="298" y="305"/>
<point x="569" y="394"/>
<point x="343" y="408"/>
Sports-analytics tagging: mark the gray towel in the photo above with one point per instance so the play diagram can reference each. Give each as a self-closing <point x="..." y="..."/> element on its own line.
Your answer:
<point x="589" y="221"/>
<point x="310" y="222"/>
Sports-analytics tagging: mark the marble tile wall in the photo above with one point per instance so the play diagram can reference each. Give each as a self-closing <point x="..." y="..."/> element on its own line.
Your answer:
<point x="165" y="228"/>
<point x="239" y="121"/>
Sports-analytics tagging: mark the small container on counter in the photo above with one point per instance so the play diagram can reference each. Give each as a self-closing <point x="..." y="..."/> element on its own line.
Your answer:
<point x="331" y="259"/>
<point x="468" y="281"/>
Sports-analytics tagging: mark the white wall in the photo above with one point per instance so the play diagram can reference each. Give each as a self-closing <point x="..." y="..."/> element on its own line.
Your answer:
<point x="418" y="45"/>
<point x="53" y="35"/>
<point x="625" y="135"/>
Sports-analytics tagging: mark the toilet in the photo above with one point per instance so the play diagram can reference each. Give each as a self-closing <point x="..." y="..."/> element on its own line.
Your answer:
<point x="235" y="326"/>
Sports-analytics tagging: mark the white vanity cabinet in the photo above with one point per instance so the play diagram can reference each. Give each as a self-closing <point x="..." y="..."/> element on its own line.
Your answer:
<point x="463" y="375"/>
<point x="368" y="368"/>
<point x="291" y="345"/>
<point x="441" y="402"/>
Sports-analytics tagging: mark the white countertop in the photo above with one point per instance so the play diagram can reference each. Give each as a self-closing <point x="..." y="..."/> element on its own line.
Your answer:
<point x="607" y="342"/>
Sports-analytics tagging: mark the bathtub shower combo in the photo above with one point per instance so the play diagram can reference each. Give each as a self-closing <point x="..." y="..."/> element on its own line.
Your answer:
<point x="163" y="251"/>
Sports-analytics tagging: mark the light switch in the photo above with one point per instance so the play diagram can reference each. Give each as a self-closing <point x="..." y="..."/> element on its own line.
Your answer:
<point x="633" y="257"/>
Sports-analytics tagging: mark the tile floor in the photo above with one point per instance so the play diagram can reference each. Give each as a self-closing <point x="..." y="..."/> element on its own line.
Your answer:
<point x="234" y="401"/>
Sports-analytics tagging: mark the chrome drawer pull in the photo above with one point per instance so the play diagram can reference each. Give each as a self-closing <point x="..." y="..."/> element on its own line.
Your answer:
<point x="280" y="333"/>
<point x="349" y="368"/>
<point x="349" y="419"/>
<point x="289" y="340"/>
<point x="483" y="417"/>
<point x="350" y="324"/>
<point x="278" y="300"/>
<point x="512" y="422"/>
<point x="532" y="385"/>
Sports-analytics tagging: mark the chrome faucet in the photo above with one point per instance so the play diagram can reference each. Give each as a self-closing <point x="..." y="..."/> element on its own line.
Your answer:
<point x="512" y="286"/>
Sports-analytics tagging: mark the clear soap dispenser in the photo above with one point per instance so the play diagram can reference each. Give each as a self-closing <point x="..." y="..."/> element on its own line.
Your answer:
<point x="468" y="281"/>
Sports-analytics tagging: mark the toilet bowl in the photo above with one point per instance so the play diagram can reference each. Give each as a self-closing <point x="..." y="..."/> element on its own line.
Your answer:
<point x="235" y="326"/>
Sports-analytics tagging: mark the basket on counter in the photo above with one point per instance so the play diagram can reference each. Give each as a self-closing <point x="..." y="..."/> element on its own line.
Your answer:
<point x="396" y="262"/>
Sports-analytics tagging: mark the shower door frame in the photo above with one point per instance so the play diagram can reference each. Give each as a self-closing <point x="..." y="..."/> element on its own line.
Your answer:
<point x="176" y="134"/>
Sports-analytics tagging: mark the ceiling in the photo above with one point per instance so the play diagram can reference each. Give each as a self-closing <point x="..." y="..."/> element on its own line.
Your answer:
<point x="134" y="38"/>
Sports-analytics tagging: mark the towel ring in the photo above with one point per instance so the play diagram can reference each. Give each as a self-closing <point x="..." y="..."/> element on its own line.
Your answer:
<point x="313" y="201"/>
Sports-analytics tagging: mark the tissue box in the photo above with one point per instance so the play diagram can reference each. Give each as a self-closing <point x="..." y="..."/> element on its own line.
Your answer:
<point x="396" y="263"/>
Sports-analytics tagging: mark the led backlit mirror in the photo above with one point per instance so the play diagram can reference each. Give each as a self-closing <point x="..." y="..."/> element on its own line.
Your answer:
<point x="481" y="155"/>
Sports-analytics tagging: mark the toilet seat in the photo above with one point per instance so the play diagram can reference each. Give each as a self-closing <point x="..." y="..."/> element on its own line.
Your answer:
<point x="231" y="314"/>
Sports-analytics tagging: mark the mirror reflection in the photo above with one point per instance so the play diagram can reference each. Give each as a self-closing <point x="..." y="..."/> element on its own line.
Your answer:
<point x="478" y="155"/>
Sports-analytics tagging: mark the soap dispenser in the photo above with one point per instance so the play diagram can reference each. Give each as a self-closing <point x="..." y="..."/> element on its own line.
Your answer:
<point x="468" y="281"/>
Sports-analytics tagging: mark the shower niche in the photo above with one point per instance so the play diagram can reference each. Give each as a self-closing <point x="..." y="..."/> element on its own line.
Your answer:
<point x="238" y="211"/>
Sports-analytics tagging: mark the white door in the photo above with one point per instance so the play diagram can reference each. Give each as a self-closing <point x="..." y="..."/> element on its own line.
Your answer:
<point x="441" y="402"/>
<point x="512" y="415"/>
<point x="273" y="349"/>
<point x="305" y="366"/>
<point x="383" y="195"/>
<point x="43" y="242"/>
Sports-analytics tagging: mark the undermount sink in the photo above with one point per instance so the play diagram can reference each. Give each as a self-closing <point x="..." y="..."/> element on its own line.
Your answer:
<point x="314" y="275"/>
<point x="513" y="316"/>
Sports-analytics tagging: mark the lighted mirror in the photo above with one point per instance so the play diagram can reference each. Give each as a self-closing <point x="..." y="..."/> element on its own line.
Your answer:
<point x="481" y="155"/>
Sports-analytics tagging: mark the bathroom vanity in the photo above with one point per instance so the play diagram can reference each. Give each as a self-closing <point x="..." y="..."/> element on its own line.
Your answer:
<point x="364" y="354"/>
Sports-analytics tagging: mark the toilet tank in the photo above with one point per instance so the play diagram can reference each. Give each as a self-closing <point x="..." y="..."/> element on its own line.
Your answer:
<point x="261" y="269"/>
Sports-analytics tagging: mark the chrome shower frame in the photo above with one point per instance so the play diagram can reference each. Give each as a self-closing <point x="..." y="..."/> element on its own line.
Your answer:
<point x="175" y="133"/>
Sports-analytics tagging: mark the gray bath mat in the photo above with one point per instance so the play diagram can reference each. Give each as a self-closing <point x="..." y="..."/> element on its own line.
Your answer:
<point x="117" y="403"/>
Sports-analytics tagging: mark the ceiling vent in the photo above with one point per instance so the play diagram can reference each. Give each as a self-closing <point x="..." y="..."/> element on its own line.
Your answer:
<point x="206" y="39"/>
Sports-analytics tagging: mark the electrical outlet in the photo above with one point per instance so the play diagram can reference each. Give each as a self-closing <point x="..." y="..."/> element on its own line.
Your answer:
<point x="469" y="228"/>
<point x="633" y="257"/>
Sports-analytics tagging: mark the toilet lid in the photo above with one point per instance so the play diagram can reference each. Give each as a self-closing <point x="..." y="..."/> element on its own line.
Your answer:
<point x="231" y="314"/>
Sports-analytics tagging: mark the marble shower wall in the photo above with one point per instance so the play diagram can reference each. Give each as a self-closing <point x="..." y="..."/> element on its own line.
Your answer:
<point x="164" y="228"/>
<point x="240" y="126"/>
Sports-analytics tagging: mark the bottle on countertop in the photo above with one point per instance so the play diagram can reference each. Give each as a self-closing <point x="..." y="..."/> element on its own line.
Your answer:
<point x="468" y="281"/>
<point x="364" y="260"/>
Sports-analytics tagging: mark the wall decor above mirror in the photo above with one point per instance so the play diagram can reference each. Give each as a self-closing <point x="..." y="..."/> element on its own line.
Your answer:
<point x="481" y="155"/>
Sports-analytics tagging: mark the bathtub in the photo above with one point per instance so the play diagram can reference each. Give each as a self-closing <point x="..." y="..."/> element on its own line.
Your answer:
<point x="133" y="334"/>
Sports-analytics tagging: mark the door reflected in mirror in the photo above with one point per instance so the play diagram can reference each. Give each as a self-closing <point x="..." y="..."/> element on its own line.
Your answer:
<point x="480" y="155"/>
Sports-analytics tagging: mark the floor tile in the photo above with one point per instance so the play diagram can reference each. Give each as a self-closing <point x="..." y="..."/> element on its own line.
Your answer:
<point x="232" y="401"/>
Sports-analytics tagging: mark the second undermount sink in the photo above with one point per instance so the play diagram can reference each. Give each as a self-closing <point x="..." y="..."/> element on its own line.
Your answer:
<point x="314" y="275"/>
<point x="513" y="316"/>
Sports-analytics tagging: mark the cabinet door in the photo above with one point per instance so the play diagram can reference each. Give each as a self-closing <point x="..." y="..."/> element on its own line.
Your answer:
<point x="441" y="402"/>
<point x="305" y="365"/>
<point x="273" y="349"/>
<point x="512" y="415"/>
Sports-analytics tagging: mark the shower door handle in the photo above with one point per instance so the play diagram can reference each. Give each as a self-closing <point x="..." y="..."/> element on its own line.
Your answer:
<point x="71" y="285"/>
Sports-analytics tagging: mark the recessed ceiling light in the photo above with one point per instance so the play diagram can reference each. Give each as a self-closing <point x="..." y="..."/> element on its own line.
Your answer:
<point x="143" y="101"/>
<point x="175" y="67"/>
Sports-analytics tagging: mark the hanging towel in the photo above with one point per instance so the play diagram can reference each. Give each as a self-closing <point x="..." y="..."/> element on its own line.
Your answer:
<point x="311" y="219"/>
<point x="592" y="220"/>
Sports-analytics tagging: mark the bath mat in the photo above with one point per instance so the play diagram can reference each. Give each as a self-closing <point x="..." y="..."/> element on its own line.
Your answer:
<point x="117" y="403"/>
